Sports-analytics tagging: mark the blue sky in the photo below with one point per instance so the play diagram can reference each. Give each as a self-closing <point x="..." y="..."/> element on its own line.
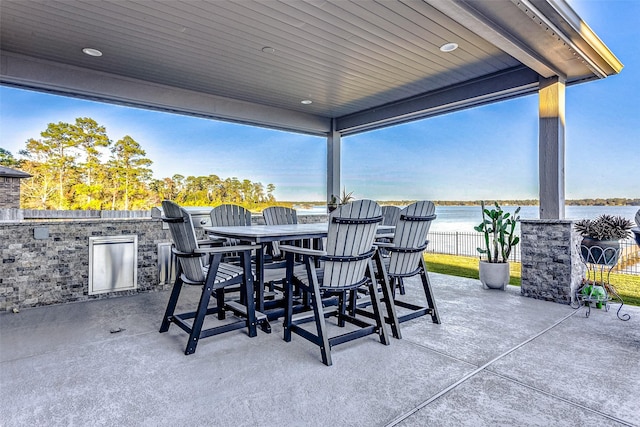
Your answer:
<point x="488" y="152"/>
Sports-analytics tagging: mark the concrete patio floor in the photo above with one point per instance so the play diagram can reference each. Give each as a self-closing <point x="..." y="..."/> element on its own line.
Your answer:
<point x="497" y="359"/>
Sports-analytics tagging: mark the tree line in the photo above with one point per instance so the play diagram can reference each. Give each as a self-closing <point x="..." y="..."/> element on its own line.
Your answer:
<point x="69" y="172"/>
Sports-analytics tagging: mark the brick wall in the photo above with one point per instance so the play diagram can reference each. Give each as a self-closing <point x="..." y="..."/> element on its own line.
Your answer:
<point x="55" y="270"/>
<point x="551" y="264"/>
<point x="9" y="192"/>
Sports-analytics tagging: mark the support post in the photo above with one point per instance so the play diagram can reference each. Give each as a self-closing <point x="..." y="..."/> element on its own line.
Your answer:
<point x="551" y="147"/>
<point x="333" y="162"/>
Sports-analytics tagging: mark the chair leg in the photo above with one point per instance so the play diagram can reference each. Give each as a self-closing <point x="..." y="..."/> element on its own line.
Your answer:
<point x="377" y="307"/>
<point x="321" y="327"/>
<point x="318" y="313"/>
<point x="353" y="300"/>
<point x="401" y="286"/>
<point x="198" y="320"/>
<point x="393" y="284"/>
<point x="388" y="297"/>
<point x="342" y="308"/>
<point x="173" y="301"/>
<point x="288" y="297"/>
<point x="214" y="263"/>
<point x="431" y="302"/>
<point x="391" y="310"/>
<point x="219" y="295"/>
<point x="250" y="302"/>
<point x="318" y="245"/>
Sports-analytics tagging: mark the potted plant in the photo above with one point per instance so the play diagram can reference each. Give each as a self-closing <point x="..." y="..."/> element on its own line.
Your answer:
<point x="333" y="204"/>
<point x="601" y="238"/>
<point x="498" y="228"/>
<point x="344" y="199"/>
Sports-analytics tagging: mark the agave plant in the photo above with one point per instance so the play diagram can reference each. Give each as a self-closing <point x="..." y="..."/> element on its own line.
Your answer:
<point x="604" y="227"/>
<point x="346" y="197"/>
<point x="498" y="228"/>
<point x="341" y="200"/>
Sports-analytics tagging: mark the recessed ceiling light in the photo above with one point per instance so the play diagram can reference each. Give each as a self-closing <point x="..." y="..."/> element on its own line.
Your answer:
<point x="306" y="101"/>
<point x="449" y="47"/>
<point x="268" y="49"/>
<point x="91" y="51"/>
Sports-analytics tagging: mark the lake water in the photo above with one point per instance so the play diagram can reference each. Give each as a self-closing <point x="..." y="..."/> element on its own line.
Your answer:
<point x="464" y="218"/>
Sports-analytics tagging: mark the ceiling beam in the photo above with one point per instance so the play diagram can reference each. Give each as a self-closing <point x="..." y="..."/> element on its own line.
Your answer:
<point x="574" y="32"/>
<point x="499" y="86"/>
<point x="47" y="76"/>
<point x="467" y="15"/>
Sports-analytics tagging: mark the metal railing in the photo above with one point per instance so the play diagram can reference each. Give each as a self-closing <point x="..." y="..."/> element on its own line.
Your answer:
<point x="465" y="244"/>
<point x="629" y="261"/>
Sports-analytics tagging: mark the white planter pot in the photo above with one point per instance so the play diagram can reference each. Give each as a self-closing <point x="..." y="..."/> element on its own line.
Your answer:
<point x="494" y="275"/>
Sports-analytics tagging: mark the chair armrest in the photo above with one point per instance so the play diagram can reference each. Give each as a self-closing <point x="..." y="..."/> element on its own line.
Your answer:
<point x="383" y="244"/>
<point x="207" y="242"/>
<point x="385" y="236"/>
<point x="225" y="249"/>
<point x="301" y="251"/>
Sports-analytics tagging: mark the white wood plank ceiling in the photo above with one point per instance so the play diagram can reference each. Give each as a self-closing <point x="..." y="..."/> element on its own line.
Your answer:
<point x="363" y="63"/>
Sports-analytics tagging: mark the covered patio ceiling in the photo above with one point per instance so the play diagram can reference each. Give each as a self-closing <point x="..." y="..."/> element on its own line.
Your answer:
<point x="320" y="67"/>
<point x="364" y="64"/>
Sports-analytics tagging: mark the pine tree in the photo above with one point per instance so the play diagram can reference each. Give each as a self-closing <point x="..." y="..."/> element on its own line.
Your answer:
<point x="130" y="174"/>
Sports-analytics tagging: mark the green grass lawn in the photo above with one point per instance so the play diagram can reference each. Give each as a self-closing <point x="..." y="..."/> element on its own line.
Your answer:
<point x="627" y="285"/>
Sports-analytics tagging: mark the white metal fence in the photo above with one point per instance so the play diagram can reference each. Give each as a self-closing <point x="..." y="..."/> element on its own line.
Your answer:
<point x="466" y="244"/>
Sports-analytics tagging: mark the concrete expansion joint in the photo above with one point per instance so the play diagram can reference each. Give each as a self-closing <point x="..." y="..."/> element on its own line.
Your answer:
<point x="483" y="368"/>
<point x="568" y="401"/>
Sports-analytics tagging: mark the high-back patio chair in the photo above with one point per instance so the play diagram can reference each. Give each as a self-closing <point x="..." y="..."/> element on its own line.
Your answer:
<point x="390" y="215"/>
<point x="227" y="215"/>
<point x="406" y="260"/>
<point x="347" y="266"/>
<point x="201" y="266"/>
<point x="274" y="269"/>
<point x="279" y="215"/>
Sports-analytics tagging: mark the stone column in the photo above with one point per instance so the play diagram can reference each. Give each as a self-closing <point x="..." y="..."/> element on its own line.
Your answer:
<point x="552" y="268"/>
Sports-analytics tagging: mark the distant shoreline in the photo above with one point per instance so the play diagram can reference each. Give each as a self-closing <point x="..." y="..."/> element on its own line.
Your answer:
<point x="527" y="202"/>
<point x="573" y="202"/>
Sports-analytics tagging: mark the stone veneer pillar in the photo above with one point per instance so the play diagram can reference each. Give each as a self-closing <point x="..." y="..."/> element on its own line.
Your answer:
<point x="551" y="264"/>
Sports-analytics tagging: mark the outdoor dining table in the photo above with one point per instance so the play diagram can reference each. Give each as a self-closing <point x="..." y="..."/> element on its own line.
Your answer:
<point x="264" y="234"/>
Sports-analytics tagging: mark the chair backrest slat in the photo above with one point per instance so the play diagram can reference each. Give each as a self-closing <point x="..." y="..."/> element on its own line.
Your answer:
<point x="390" y="215"/>
<point x="228" y="215"/>
<point x="411" y="232"/>
<point x="184" y="239"/>
<point x="279" y="215"/>
<point x="350" y="239"/>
